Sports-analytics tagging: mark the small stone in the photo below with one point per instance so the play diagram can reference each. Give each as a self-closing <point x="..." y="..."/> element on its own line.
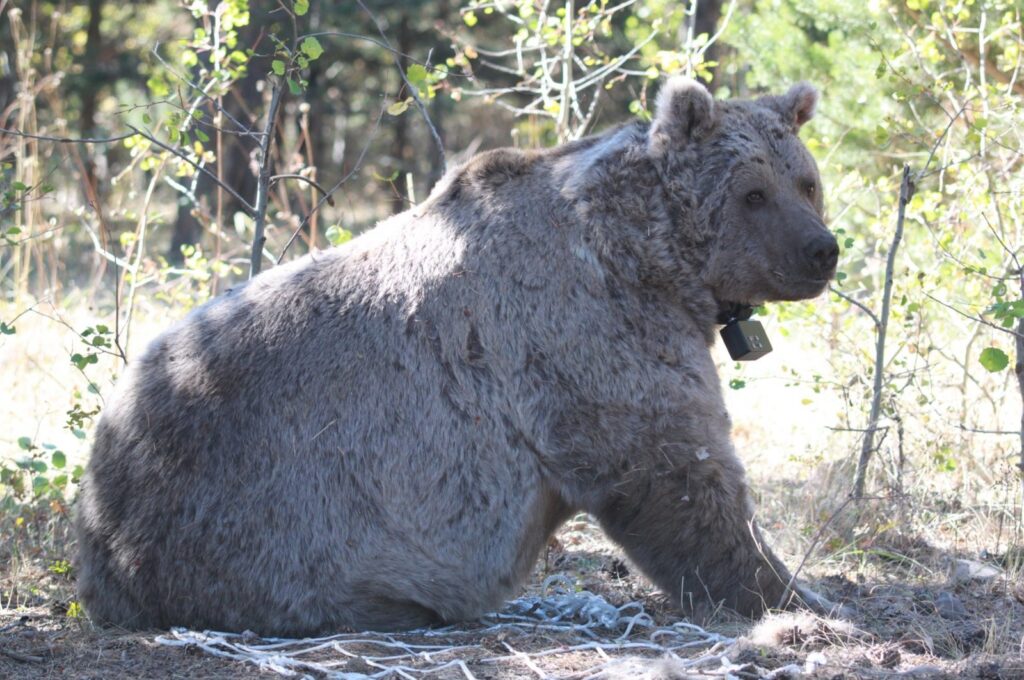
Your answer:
<point x="814" y="661"/>
<point x="971" y="570"/>
<point x="949" y="606"/>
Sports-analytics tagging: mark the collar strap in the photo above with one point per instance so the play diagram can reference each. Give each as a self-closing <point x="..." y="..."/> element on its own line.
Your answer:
<point x="729" y="312"/>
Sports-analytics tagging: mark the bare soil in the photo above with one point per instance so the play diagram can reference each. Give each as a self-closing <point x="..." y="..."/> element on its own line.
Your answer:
<point x="912" y="616"/>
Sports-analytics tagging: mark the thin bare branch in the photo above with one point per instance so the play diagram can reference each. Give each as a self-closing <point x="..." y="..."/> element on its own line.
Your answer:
<point x="860" y="305"/>
<point x="1015" y="433"/>
<point x="412" y="89"/>
<point x="389" y="48"/>
<point x="198" y="166"/>
<point x="337" y="185"/>
<point x="1008" y="331"/>
<point x="68" y="140"/>
<point x="867" y="445"/>
<point x="243" y="129"/>
<point x="307" y="180"/>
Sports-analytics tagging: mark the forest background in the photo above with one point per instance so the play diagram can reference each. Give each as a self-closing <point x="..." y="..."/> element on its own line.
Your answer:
<point x="145" y="146"/>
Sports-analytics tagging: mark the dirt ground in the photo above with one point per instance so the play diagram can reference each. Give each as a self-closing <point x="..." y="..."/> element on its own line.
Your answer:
<point x="929" y="614"/>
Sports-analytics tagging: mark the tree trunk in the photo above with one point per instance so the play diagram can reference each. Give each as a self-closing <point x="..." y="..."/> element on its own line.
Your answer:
<point x="91" y="63"/>
<point x="709" y="12"/>
<point x="400" y="143"/>
<point x="437" y="107"/>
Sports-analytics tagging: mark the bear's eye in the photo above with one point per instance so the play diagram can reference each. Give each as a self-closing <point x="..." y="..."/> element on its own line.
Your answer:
<point x="810" y="189"/>
<point x="755" y="197"/>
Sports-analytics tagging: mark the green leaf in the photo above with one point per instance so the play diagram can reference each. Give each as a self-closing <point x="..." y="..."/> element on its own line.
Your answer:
<point x="278" y="67"/>
<point x="389" y="178"/>
<point x="311" y="48"/>
<point x="337" y="235"/>
<point x="58" y="459"/>
<point x="399" y="107"/>
<point x="40" y="485"/>
<point x="81" y="362"/>
<point x="737" y="384"/>
<point x="6" y="329"/>
<point x="60" y="567"/>
<point x="294" y="87"/>
<point x="301" y="7"/>
<point x="25" y="443"/>
<point x="158" y="87"/>
<point x="993" y="359"/>
<point x="417" y="75"/>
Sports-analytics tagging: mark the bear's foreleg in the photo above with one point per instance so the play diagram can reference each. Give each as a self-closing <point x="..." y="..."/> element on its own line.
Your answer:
<point x="689" y="526"/>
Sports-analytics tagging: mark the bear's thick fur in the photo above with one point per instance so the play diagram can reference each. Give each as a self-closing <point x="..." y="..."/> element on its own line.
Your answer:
<point x="384" y="435"/>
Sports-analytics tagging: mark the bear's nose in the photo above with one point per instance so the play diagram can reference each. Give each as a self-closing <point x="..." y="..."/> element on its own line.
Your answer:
<point x="823" y="251"/>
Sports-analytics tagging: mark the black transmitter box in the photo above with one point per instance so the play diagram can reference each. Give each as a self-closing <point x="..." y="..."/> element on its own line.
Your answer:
<point x="745" y="340"/>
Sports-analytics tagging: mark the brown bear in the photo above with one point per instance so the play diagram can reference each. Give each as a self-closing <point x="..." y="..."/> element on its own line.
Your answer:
<point x="384" y="435"/>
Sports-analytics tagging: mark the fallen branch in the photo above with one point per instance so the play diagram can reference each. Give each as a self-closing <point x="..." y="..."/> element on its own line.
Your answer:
<point x="24" y="658"/>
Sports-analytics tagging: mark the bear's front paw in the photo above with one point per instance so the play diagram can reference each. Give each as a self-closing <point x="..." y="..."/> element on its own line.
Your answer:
<point x="821" y="605"/>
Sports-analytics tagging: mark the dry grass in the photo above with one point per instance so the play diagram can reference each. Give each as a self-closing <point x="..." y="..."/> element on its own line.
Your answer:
<point x="896" y="627"/>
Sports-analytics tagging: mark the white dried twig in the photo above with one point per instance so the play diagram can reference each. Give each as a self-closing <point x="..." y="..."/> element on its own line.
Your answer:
<point x="595" y="625"/>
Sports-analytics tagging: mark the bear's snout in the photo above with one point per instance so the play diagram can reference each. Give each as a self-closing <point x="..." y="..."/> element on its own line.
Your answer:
<point x="822" y="254"/>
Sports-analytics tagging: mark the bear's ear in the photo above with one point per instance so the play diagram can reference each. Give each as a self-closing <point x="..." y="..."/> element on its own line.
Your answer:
<point x="796" y="106"/>
<point x="684" y="112"/>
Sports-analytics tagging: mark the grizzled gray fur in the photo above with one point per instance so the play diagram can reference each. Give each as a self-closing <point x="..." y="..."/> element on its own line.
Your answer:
<point x="385" y="435"/>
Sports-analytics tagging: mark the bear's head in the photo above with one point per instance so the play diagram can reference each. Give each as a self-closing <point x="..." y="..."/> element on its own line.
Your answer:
<point x="756" y="188"/>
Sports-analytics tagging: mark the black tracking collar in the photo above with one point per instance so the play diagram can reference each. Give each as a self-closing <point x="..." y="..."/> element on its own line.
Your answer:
<point x="733" y="311"/>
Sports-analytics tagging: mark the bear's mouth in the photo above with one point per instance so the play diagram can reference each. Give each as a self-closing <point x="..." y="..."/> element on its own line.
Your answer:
<point x="799" y="287"/>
